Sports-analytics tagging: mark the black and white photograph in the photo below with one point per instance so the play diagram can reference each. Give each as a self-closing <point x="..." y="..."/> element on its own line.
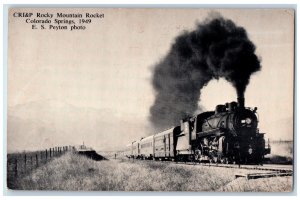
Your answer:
<point x="150" y="99"/>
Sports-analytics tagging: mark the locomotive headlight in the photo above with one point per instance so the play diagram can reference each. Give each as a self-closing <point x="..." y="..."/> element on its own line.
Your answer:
<point x="248" y="121"/>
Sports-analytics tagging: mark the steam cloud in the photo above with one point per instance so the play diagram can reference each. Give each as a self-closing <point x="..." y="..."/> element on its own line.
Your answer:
<point x="217" y="48"/>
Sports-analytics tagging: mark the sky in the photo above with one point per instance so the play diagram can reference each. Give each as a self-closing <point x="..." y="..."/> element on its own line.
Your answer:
<point x="107" y="69"/>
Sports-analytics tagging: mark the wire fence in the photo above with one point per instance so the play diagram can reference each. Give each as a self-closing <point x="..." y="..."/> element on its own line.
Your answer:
<point x="21" y="164"/>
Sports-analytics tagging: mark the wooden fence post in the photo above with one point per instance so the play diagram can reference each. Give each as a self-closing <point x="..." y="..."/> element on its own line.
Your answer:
<point x="25" y="161"/>
<point x="16" y="167"/>
<point x="37" y="160"/>
<point x="46" y="155"/>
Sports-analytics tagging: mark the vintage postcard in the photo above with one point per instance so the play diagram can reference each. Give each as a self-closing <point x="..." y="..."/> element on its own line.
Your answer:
<point x="150" y="99"/>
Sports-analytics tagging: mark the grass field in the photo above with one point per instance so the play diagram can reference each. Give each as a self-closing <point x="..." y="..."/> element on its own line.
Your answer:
<point x="72" y="172"/>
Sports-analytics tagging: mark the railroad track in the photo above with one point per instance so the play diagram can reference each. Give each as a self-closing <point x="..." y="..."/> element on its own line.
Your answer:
<point x="265" y="167"/>
<point x="266" y="170"/>
<point x="274" y="168"/>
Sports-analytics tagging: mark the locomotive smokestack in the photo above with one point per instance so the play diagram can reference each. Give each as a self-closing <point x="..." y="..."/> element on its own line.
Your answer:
<point x="241" y="102"/>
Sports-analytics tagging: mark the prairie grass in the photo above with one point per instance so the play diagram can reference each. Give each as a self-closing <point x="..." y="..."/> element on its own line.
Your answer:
<point x="72" y="172"/>
<point x="275" y="184"/>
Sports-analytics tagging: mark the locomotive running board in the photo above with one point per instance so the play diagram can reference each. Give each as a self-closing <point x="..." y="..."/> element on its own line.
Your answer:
<point x="263" y="175"/>
<point x="216" y="131"/>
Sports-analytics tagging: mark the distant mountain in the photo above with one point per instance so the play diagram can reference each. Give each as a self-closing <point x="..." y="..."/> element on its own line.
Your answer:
<point x="32" y="135"/>
<point x="42" y="124"/>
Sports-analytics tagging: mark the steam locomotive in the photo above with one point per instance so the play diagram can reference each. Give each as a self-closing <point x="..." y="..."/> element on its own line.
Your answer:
<point x="229" y="134"/>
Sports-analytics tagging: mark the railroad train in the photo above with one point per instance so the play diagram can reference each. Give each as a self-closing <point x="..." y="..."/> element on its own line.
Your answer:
<point x="229" y="134"/>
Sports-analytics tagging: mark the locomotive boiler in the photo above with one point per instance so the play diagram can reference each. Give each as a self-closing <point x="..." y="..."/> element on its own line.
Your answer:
<point x="229" y="134"/>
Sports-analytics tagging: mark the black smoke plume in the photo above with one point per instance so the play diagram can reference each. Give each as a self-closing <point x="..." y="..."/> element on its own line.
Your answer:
<point x="217" y="48"/>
